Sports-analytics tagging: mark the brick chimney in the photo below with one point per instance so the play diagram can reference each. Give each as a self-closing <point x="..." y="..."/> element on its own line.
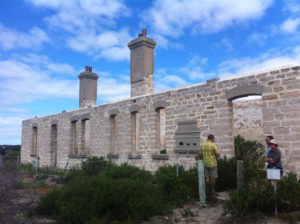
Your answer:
<point x="141" y="64"/>
<point x="88" y="87"/>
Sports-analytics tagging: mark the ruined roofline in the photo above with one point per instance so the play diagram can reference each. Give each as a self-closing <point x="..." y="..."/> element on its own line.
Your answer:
<point x="261" y="71"/>
<point x="176" y="89"/>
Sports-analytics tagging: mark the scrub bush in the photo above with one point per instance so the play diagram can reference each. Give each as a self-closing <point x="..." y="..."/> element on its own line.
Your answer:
<point x="93" y="165"/>
<point x="226" y="174"/>
<point x="288" y="193"/>
<point x="123" y="194"/>
<point x="252" y="153"/>
<point x="255" y="197"/>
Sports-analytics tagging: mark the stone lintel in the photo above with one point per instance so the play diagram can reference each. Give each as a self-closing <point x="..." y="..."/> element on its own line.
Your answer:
<point x="54" y="122"/>
<point x="74" y="156"/>
<point x="113" y="156"/>
<point x="160" y="157"/>
<point x="187" y="151"/>
<point x="86" y="116"/>
<point x="113" y="112"/>
<point x="243" y="91"/>
<point x="159" y="104"/>
<point x="134" y="156"/>
<point x="74" y="118"/>
<point x="34" y="125"/>
<point x="134" y="108"/>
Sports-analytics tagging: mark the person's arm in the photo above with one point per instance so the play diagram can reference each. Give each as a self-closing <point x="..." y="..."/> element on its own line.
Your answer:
<point x="217" y="152"/>
<point x="268" y="159"/>
<point x="275" y="158"/>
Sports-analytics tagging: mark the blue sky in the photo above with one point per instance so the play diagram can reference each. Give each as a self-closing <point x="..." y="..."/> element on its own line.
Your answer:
<point x="45" y="44"/>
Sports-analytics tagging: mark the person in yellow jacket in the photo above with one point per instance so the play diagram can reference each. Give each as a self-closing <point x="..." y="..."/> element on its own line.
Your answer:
<point x="210" y="153"/>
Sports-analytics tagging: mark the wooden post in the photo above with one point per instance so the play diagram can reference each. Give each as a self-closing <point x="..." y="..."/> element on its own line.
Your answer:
<point x="177" y="165"/>
<point x="18" y="161"/>
<point x="275" y="191"/>
<point x="201" y="182"/>
<point x="240" y="175"/>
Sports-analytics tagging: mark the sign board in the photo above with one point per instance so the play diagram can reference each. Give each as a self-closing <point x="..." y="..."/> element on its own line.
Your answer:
<point x="273" y="174"/>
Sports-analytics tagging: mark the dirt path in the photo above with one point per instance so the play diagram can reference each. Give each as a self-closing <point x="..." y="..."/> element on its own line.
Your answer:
<point x="18" y="207"/>
<point x="194" y="213"/>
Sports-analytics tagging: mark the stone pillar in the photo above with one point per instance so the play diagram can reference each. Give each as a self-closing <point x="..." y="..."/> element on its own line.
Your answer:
<point x="88" y="87"/>
<point x="141" y="64"/>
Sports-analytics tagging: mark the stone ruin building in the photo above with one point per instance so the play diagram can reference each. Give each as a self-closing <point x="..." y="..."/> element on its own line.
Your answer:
<point x="150" y="130"/>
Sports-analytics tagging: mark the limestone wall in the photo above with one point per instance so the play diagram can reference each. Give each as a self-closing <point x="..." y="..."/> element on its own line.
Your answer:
<point x="207" y="103"/>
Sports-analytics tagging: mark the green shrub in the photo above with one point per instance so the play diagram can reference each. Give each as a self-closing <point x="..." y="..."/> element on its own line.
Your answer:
<point x="255" y="197"/>
<point x="259" y="196"/>
<point x="175" y="189"/>
<point x="226" y="174"/>
<point x="170" y="185"/>
<point x="123" y="193"/>
<point x="252" y="153"/>
<point x="289" y="193"/>
<point x="127" y="171"/>
<point x="111" y="199"/>
<point x="190" y="181"/>
<point x="93" y="165"/>
<point x="47" y="204"/>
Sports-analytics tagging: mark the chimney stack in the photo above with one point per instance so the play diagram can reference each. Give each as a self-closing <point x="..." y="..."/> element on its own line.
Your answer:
<point x="88" y="87"/>
<point x="141" y="64"/>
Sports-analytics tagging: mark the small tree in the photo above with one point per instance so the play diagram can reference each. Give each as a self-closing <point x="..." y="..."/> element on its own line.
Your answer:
<point x="252" y="153"/>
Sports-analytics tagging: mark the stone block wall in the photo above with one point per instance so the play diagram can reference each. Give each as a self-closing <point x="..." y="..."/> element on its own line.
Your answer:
<point x="207" y="103"/>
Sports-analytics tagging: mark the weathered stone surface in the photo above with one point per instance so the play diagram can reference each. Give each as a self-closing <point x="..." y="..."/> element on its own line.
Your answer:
<point x="241" y="91"/>
<point x="159" y="104"/>
<point x="88" y="87"/>
<point x="208" y="105"/>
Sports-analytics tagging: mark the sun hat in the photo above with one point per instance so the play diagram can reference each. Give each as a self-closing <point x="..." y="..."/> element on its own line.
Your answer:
<point x="272" y="141"/>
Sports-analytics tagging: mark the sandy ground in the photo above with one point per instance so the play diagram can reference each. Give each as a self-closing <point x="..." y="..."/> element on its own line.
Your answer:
<point x="194" y="213"/>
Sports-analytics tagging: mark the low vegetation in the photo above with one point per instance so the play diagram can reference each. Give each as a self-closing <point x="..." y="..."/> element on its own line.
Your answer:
<point x="258" y="193"/>
<point x="123" y="193"/>
<point x="101" y="192"/>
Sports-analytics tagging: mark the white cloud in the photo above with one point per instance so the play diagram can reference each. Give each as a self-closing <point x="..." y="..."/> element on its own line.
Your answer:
<point x="265" y="61"/>
<point x="29" y="78"/>
<point x="11" y="39"/>
<point x="258" y="38"/>
<point x="11" y="129"/>
<point x="194" y="69"/>
<point x="172" y="18"/>
<point x="178" y="81"/>
<point x="292" y="6"/>
<point x="111" y="45"/>
<point x="290" y="25"/>
<point x="88" y="26"/>
<point x="165" y="79"/>
<point x="225" y="43"/>
<point x="111" y="89"/>
<point x="44" y="62"/>
<point x="25" y="82"/>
